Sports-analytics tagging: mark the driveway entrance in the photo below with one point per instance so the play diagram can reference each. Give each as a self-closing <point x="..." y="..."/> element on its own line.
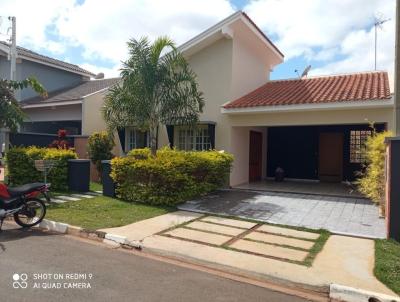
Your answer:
<point x="341" y="215"/>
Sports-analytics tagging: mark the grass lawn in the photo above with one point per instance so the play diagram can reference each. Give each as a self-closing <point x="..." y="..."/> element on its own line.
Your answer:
<point x="387" y="263"/>
<point x="95" y="186"/>
<point x="102" y="212"/>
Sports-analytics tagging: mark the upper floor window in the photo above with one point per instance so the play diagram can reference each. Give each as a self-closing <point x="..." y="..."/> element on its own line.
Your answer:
<point x="194" y="139"/>
<point x="137" y="139"/>
<point x="357" y="145"/>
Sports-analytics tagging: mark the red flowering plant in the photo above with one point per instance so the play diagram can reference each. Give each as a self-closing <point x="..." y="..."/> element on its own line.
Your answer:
<point x="61" y="142"/>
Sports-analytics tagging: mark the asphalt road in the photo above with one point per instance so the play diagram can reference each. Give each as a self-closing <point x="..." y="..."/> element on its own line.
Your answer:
<point x="112" y="275"/>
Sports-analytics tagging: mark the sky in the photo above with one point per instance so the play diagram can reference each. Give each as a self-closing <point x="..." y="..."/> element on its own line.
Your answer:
<point x="333" y="36"/>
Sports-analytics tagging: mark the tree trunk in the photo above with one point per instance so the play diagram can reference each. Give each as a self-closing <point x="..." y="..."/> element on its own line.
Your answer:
<point x="153" y="140"/>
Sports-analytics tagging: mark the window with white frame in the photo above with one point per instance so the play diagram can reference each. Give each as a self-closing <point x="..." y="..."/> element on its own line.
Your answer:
<point x="194" y="139"/>
<point x="137" y="139"/>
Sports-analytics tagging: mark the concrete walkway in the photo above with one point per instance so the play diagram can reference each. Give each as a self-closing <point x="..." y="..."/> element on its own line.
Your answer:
<point x="340" y="215"/>
<point x="344" y="260"/>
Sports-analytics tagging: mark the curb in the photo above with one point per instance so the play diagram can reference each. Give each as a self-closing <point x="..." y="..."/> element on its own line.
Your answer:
<point x="107" y="238"/>
<point x="349" y="294"/>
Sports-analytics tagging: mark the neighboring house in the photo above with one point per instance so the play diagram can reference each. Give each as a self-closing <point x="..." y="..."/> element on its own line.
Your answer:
<point x="313" y="128"/>
<point x="70" y="92"/>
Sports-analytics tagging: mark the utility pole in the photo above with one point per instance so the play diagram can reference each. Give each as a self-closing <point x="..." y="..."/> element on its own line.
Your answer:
<point x="13" y="49"/>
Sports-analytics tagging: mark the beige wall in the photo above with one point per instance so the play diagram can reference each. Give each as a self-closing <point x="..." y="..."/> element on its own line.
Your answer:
<point x="327" y="117"/>
<point x="92" y="119"/>
<point x="56" y="113"/>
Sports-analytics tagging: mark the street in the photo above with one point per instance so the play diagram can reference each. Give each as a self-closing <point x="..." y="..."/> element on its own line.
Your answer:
<point x="38" y="266"/>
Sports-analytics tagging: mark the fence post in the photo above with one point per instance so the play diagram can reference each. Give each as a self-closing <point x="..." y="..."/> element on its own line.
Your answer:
<point x="393" y="187"/>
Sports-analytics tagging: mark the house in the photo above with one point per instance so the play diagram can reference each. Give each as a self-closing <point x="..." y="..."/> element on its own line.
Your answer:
<point x="71" y="91"/>
<point x="313" y="128"/>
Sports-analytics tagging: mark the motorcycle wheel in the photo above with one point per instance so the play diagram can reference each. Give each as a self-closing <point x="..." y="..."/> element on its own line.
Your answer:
<point x="31" y="214"/>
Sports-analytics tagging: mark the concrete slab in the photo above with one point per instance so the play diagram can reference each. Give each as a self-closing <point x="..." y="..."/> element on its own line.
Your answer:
<point x="139" y="230"/>
<point x="199" y="236"/>
<point x="288" y="232"/>
<point x="215" y="228"/>
<point x="269" y="250"/>
<point x="68" y="198"/>
<point x="280" y="240"/>
<point x="83" y="196"/>
<point x="229" y="222"/>
<point x="339" y="262"/>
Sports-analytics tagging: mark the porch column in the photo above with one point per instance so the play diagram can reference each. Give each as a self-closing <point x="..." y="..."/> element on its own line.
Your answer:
<point x="393" y="188"/>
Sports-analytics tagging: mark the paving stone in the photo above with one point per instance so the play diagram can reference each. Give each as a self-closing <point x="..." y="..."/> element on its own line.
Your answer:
<point x="230" y="222"/>
<point x="69" y="198"/>
<point x="269" y="250"/>
<point x="215" y="228"/>
<point x="280" y="240"/>
<point x="83" y="196"/>
<point x="287" y="232"/>
<point x="199" y="236"/>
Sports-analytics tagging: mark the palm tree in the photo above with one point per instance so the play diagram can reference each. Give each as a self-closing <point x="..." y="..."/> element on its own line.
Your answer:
<point x="11" y="114"/>
<point x="157" y="88"/>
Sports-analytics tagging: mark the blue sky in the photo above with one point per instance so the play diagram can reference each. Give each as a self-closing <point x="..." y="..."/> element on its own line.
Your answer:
<point x="321" y="33"/>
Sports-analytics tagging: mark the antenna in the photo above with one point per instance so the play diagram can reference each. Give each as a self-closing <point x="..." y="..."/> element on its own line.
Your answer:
<point x="305" y="72"/>
<point x="379" y="20"/>
<point x="296" y="71"/>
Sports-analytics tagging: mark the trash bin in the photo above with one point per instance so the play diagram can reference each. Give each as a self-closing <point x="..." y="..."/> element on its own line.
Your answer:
<point x="79" y="175"/>
<point x="107" y="181"/>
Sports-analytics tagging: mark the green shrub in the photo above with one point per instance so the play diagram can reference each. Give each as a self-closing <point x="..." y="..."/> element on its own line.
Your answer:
<point x="170" y="177"/>
<point x="21" y="166"/>
<point x="372" y="180"/>
<point x="100" y="145"/>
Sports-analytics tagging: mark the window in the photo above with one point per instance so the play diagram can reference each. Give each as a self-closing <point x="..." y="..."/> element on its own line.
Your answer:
<point x="137" y="139"/>
<point x="357" y="145"/>
<point x="194" y="139"/>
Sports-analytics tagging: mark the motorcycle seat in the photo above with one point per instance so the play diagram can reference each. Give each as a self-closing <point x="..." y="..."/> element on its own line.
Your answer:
<point x="25" y="189"/>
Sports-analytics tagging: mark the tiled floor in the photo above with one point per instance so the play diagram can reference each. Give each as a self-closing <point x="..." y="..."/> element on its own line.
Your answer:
<point x="305" y="187"/>
<point x="352" y="216"/>
<point x="246" y="237"/>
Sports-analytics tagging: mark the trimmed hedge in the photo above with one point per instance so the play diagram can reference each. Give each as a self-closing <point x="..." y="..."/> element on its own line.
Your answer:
<point x="21" y="166"/>
<point x="170" y="177"/>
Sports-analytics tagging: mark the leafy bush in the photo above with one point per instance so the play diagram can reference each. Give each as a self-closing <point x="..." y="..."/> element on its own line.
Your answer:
<point x="170" y="177"/>
<point x="372" y="180"/>
<point x="21" y="166"/>
<point x="100" y="145"/>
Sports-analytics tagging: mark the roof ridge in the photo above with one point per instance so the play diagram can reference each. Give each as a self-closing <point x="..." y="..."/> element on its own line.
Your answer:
<point x="328" y="76"/>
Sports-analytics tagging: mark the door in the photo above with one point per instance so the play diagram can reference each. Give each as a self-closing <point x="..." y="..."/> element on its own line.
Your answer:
<point x="330" y="157"/>
<point x="255" y="156"/>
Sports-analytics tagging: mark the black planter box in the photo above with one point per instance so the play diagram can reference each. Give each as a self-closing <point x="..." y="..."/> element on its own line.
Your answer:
<point x="79" y="175"/>
<point x="108" y="183"/>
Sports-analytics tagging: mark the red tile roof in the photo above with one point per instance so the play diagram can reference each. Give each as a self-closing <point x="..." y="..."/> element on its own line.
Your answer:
<point x="318" y="90"/>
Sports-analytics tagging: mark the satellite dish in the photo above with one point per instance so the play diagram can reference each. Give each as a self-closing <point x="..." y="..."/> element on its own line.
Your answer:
<point x="305" y="72"/>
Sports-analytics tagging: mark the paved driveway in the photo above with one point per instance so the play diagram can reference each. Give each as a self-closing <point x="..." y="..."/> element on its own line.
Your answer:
<point x="352" y="216"/>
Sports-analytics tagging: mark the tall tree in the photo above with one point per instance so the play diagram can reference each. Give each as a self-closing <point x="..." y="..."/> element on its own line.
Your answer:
<point x="11" y="114"/>
<point x="157" y="88"/>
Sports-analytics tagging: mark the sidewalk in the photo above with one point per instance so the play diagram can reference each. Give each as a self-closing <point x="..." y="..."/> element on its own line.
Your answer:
<point x="343" y="260"/>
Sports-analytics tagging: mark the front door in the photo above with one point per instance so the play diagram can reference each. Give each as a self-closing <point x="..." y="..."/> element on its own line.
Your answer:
<point x="330" y="157"/>
<point x="255" y="156"/>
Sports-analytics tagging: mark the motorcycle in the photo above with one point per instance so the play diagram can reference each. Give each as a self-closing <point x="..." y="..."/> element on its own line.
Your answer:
<point x="23" y="203"/>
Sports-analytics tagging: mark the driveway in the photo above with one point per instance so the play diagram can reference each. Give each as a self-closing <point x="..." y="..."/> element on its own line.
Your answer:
<point x="115" y="275"/>
<point x="340" y="215"/>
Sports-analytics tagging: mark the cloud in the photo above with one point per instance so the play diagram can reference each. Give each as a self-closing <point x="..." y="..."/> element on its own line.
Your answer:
<point x="337" y="34"/>
<point x="108" y="72"/>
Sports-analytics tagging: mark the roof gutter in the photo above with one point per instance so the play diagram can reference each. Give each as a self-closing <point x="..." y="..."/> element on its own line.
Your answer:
<point x="344" y="105"/>
<point x="52" y="104"/>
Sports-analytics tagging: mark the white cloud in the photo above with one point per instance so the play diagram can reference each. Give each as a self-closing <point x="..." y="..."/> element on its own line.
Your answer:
<point x="108" y="72"/>
<point x="322" y="30"/>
